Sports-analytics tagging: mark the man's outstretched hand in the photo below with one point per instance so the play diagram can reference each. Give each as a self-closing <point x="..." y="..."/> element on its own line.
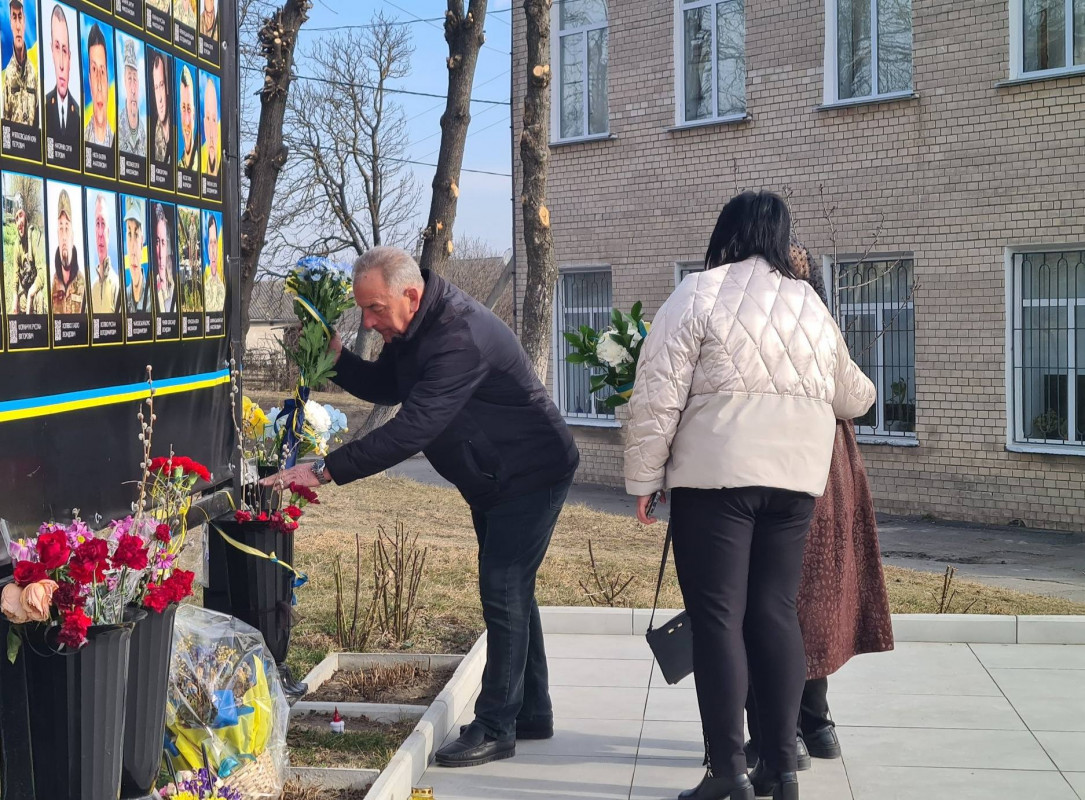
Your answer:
<point x="301" y="474"/>
<point x="335" y="346"/>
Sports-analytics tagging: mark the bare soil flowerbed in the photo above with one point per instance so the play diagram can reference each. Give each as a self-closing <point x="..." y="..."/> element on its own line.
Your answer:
<point x="404" y="684"/>
<point x="364" y="745"/>
<point x="295" y="790"/>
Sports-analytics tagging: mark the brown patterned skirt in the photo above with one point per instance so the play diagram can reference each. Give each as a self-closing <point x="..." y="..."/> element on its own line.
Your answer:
<point x="843" y="605"/>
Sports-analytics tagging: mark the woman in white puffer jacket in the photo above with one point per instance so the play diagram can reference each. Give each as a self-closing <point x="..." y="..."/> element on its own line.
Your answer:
<point x="738" y="390"/>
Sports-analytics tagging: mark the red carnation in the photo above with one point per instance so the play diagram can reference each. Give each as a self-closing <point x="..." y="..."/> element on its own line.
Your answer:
<point x="73" y="628"/>
<point x="262" y="517"/>
<point x="161" y="464"/>
<point x="158" y="597"/>
<point x="305" y="493"/>
<point x="68" y="596"/>
<point x="89" y="561"/>
<point x="53" y="549"/>
<point x="243" y="516"/>
<point x="292" y="511"/>
<point x="179" y="584"/>
<point x="28" y="572"/>
<point x="163" y="533"/>
<point x="130" y="553"/>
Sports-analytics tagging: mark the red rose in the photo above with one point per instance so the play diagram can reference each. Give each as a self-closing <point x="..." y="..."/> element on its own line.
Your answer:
<point x="292" y="511"/>
<point x="158" y="597"/>
<point x="243" y="516"/>
<point x="68" y="596"/>
<point x="73" y="628"/>
<point x="130" y="553"/>
<point x="28" y="572"/>
<point x="179" y="584"/>
<point x="163" y="533"/>
<point x="53" y="550"/>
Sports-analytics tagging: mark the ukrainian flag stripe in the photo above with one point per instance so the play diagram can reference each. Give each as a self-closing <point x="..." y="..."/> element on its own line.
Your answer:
<point x="30" y="407"/>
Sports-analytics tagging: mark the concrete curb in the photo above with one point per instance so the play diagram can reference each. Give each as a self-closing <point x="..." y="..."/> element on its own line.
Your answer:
<point x="333" y="778"/>
<point x="969" y="628"/>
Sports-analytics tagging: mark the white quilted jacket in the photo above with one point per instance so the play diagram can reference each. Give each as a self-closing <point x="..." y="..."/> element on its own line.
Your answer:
<point x="740" y="383"/>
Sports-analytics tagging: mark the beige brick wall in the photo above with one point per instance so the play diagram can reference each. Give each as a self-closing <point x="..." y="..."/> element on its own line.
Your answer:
<point x="954" y="176"/>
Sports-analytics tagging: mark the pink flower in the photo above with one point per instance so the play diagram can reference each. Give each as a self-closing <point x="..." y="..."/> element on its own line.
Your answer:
<point x="37" y="600"/>
<point x="11" y="604"/>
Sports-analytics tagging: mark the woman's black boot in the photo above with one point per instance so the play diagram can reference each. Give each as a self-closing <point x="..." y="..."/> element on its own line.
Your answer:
<point x="711" y="788"/>
<point x="777" y="785"/>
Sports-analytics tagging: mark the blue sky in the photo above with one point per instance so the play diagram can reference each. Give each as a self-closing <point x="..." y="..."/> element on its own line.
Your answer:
<point x="485" y="209"/>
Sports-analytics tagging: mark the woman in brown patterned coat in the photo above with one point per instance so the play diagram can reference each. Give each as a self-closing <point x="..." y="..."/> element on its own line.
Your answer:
<point x="842" y="602"/>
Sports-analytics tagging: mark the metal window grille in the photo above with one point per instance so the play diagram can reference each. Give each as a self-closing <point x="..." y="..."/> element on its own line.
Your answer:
<point x="1049" y="348"/>
<point x="583" y="298"/>
<point x="877" y="318"/>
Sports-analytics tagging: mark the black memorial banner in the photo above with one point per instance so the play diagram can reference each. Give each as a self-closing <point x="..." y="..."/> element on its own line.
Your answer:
<point x="119" y="183"/>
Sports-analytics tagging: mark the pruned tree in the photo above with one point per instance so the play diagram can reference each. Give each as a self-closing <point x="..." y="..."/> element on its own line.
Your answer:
<point x="542" y="273"/>
<point x="277" y="38"/>
<point x="464" y="32"/>
<point x="348" y="188"/>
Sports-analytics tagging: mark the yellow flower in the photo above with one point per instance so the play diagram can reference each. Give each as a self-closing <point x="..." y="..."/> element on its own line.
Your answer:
<point x="255" y="420"/>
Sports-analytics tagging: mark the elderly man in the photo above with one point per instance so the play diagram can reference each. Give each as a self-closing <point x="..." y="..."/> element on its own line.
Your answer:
<point x="21" y="74"/>
<point x="105" y="292"/>
<point x="473" y="404"/>
<point x="132" y="134"/>
<point x="98" y="131"/>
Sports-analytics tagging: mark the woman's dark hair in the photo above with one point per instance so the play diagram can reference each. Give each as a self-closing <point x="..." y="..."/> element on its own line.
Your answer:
<point x="752" y="224"/>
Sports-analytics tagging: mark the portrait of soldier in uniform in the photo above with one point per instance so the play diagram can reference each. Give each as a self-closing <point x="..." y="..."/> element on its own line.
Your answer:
<point x="131" y="119"/>
<point x="212" y="152"/>
<point x="137" y="292"/>
<point x="214" y="284"/>
<point x="21" y="86"/>
<point x="188" y="152"/>
<point x="99" y="129"/>
<point x="63" y="114"/>
<point x="29" y="278"/>
<point x="69" y="285"/>
<point x="209" y="20"/>
<point x="161" y="109"/>
<point x="105" y="290"/>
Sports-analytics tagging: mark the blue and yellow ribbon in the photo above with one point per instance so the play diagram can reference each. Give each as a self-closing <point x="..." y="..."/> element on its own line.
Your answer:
<point x="300" y="578"/>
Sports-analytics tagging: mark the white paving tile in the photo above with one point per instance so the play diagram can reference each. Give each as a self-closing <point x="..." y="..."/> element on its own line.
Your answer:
<point x="923" y="711"/>
<point x="533" y="778"/>
<point x="599" y="672"/>
<point x="1077" y="780"/>
<point x="576" y="645"/>
<point x="911" y="783"/>
<point x="664" y="778"/>
<point x="916" y="668"/>
<point x="673" y="705"/>
<point x="1030" y="656"/>
<point x="659" y="682"/>
<point x="587" y="738"/>
<point x="594" y="702"/>
<point x="1017" y="683"/>
<point x="661" y="739"/>
<point x="1051" y="713"/>
<point x="1067" y="750"/>
<point x="929" y="747"/>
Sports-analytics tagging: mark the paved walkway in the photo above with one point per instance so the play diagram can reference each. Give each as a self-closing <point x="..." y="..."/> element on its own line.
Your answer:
<point x="928" y="721"/>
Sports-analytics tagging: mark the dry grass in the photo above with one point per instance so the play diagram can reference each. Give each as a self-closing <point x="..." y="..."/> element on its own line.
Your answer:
<point x="408" y="684"/>
<point x="450" y="618"/>
<point x="296" y="790"/>
<point x="364" y="744"/>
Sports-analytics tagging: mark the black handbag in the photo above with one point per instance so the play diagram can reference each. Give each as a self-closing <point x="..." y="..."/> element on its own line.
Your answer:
<point x="672" y="643"/>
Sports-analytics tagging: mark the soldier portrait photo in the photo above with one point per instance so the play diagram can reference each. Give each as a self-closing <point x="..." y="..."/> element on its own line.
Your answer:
<point x="209" y="19"/>
<point x="188" y="149"/>
<point x="132" y="98"/>
<point x="25" y="268"/>
<point x="164" y="268"/>
<point x="190" y="259"/>
<point x="98" y="83"/>
<point x="21" y="80"/>
<point x="211" y="159"/>
<point x="137" y="284"/>
<point x="69" y="291"/>
<point x="160" y="113"/>
<point x="63" y="109"/>
<point x="214" y="281"/>
<point x="101" y="252"/>
<point x="184" y="11"/>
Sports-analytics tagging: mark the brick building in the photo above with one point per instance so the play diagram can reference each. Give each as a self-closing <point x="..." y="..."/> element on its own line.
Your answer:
<point x="943" y="138"/>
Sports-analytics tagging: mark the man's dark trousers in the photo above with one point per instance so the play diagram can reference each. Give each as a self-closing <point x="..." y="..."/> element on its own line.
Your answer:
<point x="512" y="541"/>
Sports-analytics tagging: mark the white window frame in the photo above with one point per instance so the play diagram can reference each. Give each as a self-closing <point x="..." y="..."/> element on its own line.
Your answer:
<point x="878" y="433"/>
<point x="1016" y="441"/>
<point x="1017" y="45"/>
<point x="595" y="419"/>
<point x="680" y="67"/>
<point x="831" y="77"/>
<point x="555" y="58"/>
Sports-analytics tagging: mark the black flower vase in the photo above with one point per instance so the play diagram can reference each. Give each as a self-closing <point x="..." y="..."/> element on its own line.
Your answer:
<point x="145" y="706"/>
<point x="259" y="590"/>
<point x="76" y="701"/>
<point x="16" y="761"/>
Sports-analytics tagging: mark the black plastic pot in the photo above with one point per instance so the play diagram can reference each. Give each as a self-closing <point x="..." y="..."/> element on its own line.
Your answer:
<point x="16" y="761"/>
<point x="258" y="589"/>
<point x="76" y="704"/>
<point x="145" y="705"/>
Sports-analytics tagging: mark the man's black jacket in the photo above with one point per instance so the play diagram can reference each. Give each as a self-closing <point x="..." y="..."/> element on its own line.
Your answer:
<point x="471" y="402"/>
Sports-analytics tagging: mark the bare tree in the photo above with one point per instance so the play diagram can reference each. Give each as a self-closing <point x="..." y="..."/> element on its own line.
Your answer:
<point x="278" y="36"/>
<point x="542" y="273"/>
<point x="349" y="187"/>
<point x="464" y="32"/>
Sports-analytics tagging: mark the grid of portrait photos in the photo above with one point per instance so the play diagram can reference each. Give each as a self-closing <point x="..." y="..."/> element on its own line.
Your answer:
<point x="112" y="176"/>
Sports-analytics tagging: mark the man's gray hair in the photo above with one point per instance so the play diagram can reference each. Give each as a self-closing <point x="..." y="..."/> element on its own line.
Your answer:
<point x="395" y="265"/>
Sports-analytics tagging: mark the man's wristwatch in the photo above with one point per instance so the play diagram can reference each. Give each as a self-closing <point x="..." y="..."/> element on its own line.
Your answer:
<point x="318" y="470"/>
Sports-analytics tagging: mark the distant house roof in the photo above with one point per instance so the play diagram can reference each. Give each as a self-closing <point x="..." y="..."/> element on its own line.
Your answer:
<point x="271" y="305"/>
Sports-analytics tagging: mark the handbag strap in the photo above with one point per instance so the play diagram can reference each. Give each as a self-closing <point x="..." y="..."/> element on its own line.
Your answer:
<point x="659" y="581"/>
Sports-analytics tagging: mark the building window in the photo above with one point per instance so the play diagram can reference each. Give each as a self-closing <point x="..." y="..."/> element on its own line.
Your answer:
<point x="877" y="318"/>
<point x="581" y="46"/>
<point x="583" y="298"/>
<point x="1047" y="402"/>
<point x="684" y="268"/>
<point x="1047" y="37"/>
<point x="711" y="54"/>
<point x="868" y="49"/>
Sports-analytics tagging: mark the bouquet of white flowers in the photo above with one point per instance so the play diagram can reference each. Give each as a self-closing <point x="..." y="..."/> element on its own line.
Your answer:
<point x="611" y="354"/>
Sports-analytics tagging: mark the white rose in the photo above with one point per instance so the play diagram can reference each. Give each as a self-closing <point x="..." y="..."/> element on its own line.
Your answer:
<point x="317" y="417"/>
<point x="610" y="352"/>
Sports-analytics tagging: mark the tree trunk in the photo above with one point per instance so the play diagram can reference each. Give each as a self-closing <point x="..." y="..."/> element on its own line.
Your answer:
<point x="278" y="38"/>
<point x="542" y="273"/>
<point x="465" y="36"/>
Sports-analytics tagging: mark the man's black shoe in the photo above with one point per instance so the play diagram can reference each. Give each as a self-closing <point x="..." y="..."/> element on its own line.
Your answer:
<point x="800" y="747"/>
<point x="532" y="728"/>
<point x="823" y="743"/>
<point x="474" y="748"/>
